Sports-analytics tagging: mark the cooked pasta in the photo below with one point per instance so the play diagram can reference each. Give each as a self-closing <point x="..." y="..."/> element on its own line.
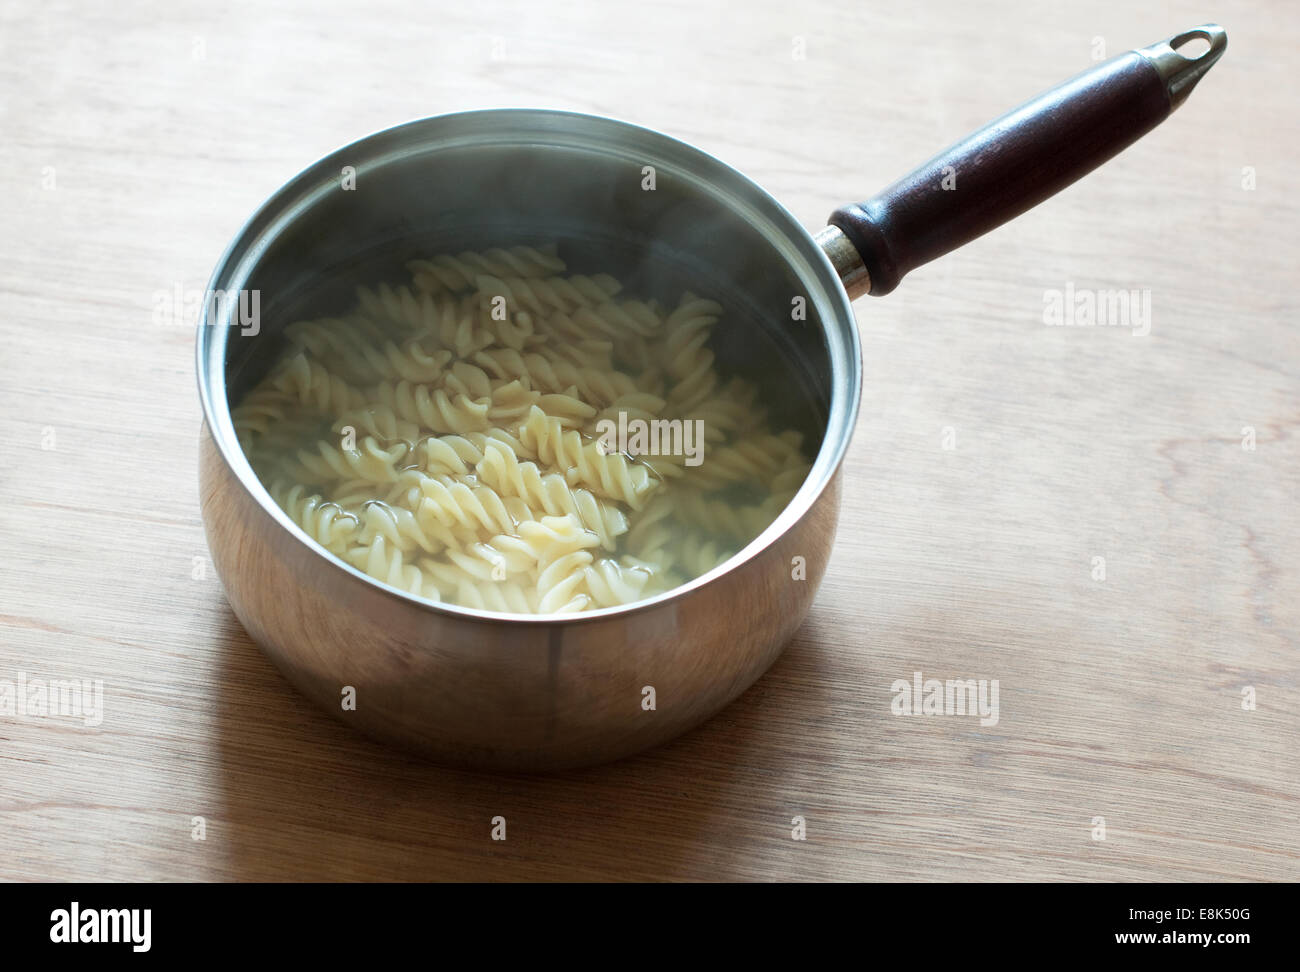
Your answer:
<point x="455" y="437"/>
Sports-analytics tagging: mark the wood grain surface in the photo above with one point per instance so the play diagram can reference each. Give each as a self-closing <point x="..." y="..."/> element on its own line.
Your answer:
<point x="137" y="137"/>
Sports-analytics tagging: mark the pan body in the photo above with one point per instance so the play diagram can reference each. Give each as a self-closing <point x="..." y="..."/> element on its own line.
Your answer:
<point x="513" y="691"/>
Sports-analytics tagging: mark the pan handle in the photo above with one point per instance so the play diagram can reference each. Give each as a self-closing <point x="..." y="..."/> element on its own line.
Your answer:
<point x="1013" y="163"/>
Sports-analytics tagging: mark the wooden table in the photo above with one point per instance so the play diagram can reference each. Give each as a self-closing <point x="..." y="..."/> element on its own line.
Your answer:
<point x="139" y="136"/>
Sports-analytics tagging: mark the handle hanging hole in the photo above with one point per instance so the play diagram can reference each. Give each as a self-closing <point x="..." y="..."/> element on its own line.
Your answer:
<point x="1183" y="59"/>
<point x="1192" y="45"/>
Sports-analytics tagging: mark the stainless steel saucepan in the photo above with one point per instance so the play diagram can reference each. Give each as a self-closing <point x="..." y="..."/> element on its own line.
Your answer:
<point x="537" y="693"/>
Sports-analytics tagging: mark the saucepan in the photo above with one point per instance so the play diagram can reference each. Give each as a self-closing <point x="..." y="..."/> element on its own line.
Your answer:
<point x="528" y="692"/>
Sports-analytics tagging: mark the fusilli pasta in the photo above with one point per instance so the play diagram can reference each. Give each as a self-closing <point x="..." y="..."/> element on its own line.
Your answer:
<point x="453" y="437"/>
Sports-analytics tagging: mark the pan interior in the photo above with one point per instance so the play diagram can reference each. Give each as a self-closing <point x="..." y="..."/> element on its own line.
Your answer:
<point x="659" y="216"/>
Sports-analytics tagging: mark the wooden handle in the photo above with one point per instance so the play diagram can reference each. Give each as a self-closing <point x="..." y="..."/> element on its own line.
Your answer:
<point x="1023" y="157"/>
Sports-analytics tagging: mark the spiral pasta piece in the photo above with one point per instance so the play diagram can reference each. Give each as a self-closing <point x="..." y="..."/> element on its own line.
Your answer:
<point x="609" y="583"/>
<point x="459" y="271"/>
<point x="312" y="384"/>
<point x="547" y="295"/>
<point x="501" y="470"/>
<point x="556" y="376"/>
<point x="360" y="351"/>
<point x="434" y="410"/>
<point x="369" y="462"/>
<point x="686" y="355"/>
<point x="386" y="563"/>
<point x="584" y="462"/>
<point x="739" y="522"/>
<point x="458" y="505"/>
<point x="328" y="523"/>
<point x="404" y="531"/>
<point x="753" y="459"/>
